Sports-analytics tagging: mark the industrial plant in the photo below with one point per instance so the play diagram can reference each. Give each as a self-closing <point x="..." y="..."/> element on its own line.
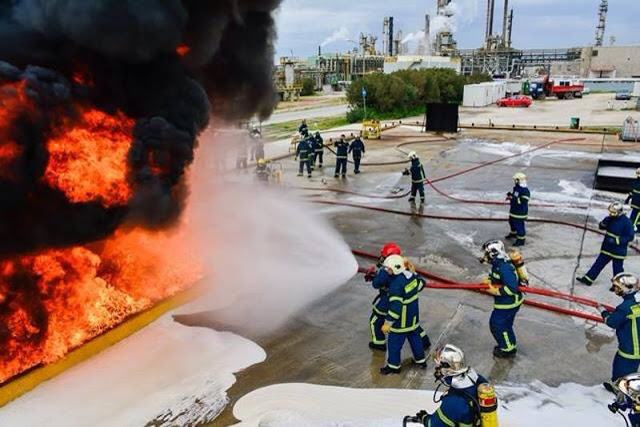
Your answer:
<point x="438" y="48"/>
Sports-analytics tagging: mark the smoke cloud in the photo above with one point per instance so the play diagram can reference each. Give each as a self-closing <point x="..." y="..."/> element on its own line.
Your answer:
<point x="166" y="64"/>
<point x="341" y="33"/>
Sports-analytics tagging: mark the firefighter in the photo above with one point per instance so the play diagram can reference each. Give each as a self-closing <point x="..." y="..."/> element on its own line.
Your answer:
<point x="634" y="198"/>
<point x="519" y="209"/>
<point x="318" y="149"/>
<point x="302" y="153"/>
<point x="625" y="320"/>
<point x="459" y="403"/>
<point x="257" y="150"/>
<point x="356" y="148"/>
<point x="403" y="317"/>
<point x="303" y="129"/>
<point x="503" y="284"/>
<point x="628" y="398"/>
<point x="262" y="171"/>
<point x="619" y="233"/>
<point x="417" y="177"/>
<point x="380" y="279"/>
<point x="342" y="151"/>
<point x="242" y="149"/>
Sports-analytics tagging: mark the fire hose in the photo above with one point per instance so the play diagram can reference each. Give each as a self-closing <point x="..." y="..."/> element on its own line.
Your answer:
<point x="452" y="175"/>
<point x="444" y="283"/>
<point x="463" y="218"/>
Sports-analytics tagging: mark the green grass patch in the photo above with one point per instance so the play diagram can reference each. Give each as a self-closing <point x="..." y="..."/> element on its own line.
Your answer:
<point x="282" y="130"/>
<point x="357" y="114"/>
<point x="607" y="129"/>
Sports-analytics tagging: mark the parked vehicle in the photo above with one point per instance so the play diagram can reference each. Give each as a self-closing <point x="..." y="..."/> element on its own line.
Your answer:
<point x="560" y="88"/>
<point x="514" y="101"/>
<point x="623" y="95"/>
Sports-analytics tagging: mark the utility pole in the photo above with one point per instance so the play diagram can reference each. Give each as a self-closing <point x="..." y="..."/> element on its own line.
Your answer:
<point x="364" y="101"/>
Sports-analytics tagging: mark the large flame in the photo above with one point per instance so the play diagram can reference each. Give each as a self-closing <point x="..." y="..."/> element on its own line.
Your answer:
<point x="53" y="301"/>
<point x="88" y="159"/>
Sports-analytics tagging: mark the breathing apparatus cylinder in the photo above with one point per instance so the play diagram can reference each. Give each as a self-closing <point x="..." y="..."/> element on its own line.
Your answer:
<point x="521" y="269"/>
<point x="488" y="402"/>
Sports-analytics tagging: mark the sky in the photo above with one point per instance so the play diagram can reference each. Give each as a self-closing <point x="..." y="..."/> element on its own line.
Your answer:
<point x="305" y="24"/>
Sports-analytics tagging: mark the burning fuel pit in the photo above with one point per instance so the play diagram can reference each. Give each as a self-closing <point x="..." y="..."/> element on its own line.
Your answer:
<point x="100" y="109"/>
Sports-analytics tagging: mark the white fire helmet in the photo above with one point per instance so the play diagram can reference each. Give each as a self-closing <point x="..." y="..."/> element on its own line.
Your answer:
<point x="493" y="249"/>
<point x="412" y="155"/>
<point x="624" y="283"/>
<point x="519" y="177"/>
<point x="396" y="263"/>
<point x="615" y="209"/>
<point x="450" y="362"/>
<point x="629" y="385"/>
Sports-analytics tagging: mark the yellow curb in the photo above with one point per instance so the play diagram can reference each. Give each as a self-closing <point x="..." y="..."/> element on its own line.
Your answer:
<point x="33" y="378"/>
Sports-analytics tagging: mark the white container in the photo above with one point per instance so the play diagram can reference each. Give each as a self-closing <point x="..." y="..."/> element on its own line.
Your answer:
<point x="483" y="94"/>
<point x="631" y="130"/>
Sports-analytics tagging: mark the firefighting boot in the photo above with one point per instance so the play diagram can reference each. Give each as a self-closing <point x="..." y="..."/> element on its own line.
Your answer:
<point x="386" y="370"/>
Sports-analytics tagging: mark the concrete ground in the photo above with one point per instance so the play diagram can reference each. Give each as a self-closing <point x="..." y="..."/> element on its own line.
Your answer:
<point x="327" y="343"/>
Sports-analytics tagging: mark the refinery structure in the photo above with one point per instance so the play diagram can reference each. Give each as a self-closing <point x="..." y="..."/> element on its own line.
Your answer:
<point x="437" y="48"/>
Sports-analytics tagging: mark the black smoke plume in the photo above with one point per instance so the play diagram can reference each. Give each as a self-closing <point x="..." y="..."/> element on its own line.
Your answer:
<point x="127" y="50"/>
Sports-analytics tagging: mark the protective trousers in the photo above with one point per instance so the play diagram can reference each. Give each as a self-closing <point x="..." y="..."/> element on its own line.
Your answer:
<point x="635" y="218"/>
<point x="304" y="163"/>
<point x="356" y="163"/>
<point x="312" y="160"/>
<point x="319" y="155"/>
<point x="415" y="188"/>
<point x="501" y="325"/>
<point x="623" y="366"/>
<point x="601" y="262"/>
<point x="378" y="337"/>
<point x="517" y="229"/>
<point x="341" y="166"/>
<point x="395" y="343"/>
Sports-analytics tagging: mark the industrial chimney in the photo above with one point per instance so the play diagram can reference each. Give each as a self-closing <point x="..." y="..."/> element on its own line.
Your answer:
<point x="505" y="24"/>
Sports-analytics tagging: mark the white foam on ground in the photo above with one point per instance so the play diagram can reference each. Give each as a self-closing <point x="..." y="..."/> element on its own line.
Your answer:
<point x="288" y="405"/>
<point x="510" y="148"/>
<point x="167" y="372"/>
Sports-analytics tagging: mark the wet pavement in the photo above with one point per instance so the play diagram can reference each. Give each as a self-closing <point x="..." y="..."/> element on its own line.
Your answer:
<point x="327" y="343"/>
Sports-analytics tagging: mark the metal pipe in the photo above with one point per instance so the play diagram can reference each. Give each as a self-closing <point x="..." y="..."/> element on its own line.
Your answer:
<point x="493" y="4"/>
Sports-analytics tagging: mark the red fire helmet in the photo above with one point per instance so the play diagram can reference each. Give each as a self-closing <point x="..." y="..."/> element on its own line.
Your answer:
<point x="390" y="249"/>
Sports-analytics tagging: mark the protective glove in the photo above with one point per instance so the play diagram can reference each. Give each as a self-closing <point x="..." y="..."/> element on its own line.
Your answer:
<point x="386" y="327"/>
<point x="602" y="225"/>
<point x="405" y="172"/>
<point x="370" y="274"/>
<point x="296" y="158"/>
<point x="628" y="199"/>
<point x="509" y="195"/>
<point x="601" y="308"/>
<point x="422" y="415"/>
<point x="494" y="290"/>
<point x="486" y="281"/>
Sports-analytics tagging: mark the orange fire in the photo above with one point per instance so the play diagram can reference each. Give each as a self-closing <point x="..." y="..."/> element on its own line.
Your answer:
<point x="88" y="159"/>
<point x="182" y="49"/>
<point x="54" y="301"/>
<point x="13" y="102"/>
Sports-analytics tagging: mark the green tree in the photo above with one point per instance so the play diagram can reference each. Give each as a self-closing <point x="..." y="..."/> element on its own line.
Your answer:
<point x="308" y="86"/>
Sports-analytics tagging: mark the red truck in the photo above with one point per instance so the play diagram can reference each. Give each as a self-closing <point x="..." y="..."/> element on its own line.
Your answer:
<point x="561" y="88"/>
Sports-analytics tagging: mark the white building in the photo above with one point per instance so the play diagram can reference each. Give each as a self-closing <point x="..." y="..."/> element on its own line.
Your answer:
<point x="483" y="94"/>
